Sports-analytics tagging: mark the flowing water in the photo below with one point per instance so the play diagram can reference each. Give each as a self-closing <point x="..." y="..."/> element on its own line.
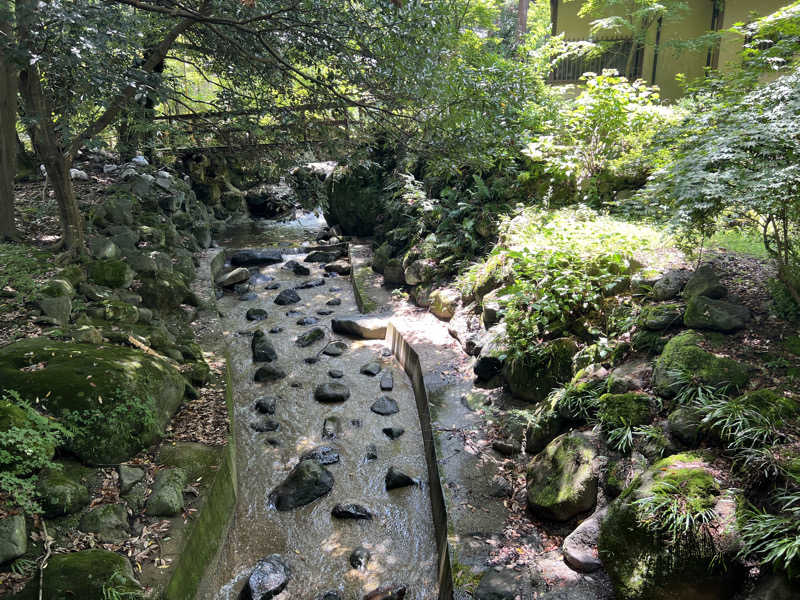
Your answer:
<point x="314" y="545"/>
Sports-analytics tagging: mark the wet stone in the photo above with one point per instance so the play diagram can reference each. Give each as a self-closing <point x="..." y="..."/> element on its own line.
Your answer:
<point x="330" y="428"/>
<point x="386" y="352"/>
<point x="351" y="511"/>
<point x="307" y="482"/>
<point x="311" y="283"/>
<point x="271" y="441"/>
<point x="397" y="479"/>
<point x="334" y="301"/>
<point x="322" y="256"/>
<point x="336" y="373"/>
<point x="324" y="312"/>
<point x="266" y="405"/>
<point x="287" y="297"/>
<point x="331" y="392"/>
<point x="359" y="558"/>
<point x="385" y="406"/>
<point x="276" y="330"/>
<point x="393" y="432"/>
<point x="269" y="373"/>
<point x="255" y="314"/>
<point x="296" y="384"/>
<point x="265" y="426"/>
<point x="252" y="258"/>
<point x="310" y="337"/>
<point x="263" y="350"/>
<point x="293" y="313"/>
<point x="371" y="368"/>
<point x="311" y="360"/>
<point x="387" y="382"/>
<point x="248" y="297"/>
<point x="324" y="455"/>
<point x="268" y="579"/>
<point x="272" y="286"/>
<point x="329" y="596"/>
<point x="241" y="289"/>
<point x="392" y="592"/>
<point x="296" y="268"/>
<point x="335" y="348"/>
<point x="336" y="289"/>
<point x="356" y="423"/>
<point x="372" y="452"/>
<point x="307" y="321"/>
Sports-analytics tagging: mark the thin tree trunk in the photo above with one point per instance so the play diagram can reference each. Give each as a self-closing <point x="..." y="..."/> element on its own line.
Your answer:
<point x="8" y="131"/>
<point x="522" y="19"/>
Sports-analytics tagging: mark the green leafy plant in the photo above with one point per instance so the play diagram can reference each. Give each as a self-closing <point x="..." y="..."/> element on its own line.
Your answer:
<point x="621" y="438"/>
<point x="120" y="587"/>
<point x="774" y="538"/>
<point x="27" y="443"/>
<point x="682" y="514"/>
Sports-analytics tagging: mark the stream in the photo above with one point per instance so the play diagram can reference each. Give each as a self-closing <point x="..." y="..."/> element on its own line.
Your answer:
<point x="314" y="545"/>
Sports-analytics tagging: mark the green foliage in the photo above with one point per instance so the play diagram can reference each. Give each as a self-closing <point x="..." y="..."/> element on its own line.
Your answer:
<point x="99" y="432"/>
<point x="120" y="587"/>
<point x="27" y="442"/>
<point x="23" y="265"/>
<point x="783" y="302"/>
<point x="774" y="538"/>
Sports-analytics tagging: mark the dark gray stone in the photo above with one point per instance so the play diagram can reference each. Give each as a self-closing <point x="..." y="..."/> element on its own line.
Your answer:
<point x="324" y="455"/>
<point x="310" y="337"/>
<point x="287" y="297"/>
<point x="256" y="314"/>
<point x="336" y="348"/>
<point x="351" y="511"/>
<point x="359" y="558"/>
<point x="272" y="286"/>
<point x="128" y="477"/>
<point x="266" y="405"/>
<point x="385" y="406"/>
<point x="307" y="321"/>
<point x="323" y="256"/>
<point x="108" y="521"/>
<point x="324" y="312"/>
<point x="670" y="284"/>
<point x="397" y="479"/>
<point x="393" y="432"/>
<point x="704" y="282"/>
<point x="276" y="330"/>
<point x="263" y="350"/>
<point x="372" y="452"/>
<point x="329" y="596"/>
<point x="331" y="392"/>
<point x="269" y="373"/>
<point x="248" y="297"/>
<point x="387" y="381"/>
<point x="296" y="268"/>
<point x="334" y="302"/>
<point x="371" y="368"/>
<point x="498" y="585"/>
<point x="265" y="426"/>
<point x="716" y="315"/>
<point x="307" y="482"/>
<point x="336" y="373"/>
<point x="13" y="538"/>
<point x="331" y="428"/>
<point x="268" y="579"/>
<point x="580" y="546"/>
<point x="390" y="592"/>
<point x="311" y="283"/>
<point x="254" y="258"/>
<point x="166" y="499"/>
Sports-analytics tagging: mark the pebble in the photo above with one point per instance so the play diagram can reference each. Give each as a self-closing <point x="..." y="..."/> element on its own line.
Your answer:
<point x="393" y="432"/>
<point x="276" y="330"/>
<point x="336" y="373"/>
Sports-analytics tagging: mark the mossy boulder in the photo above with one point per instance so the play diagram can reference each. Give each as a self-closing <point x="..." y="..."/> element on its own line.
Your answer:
<point x="624" y="410"/>
<point x="685" y="424"/>
<point x="120" y="312"/>
<point x="57" y="287"/>
<point x="166" y="499"/>
<point x="560" y="479"/>
<point x="63" y="490"/>
<point x="355" y="200"/>
<point x="495" y="273"/>
<point x="635" y="543"/>
<point x="683" y="356"/>
<point x="715" y="315"/>
<point x="13" y="538"/>
<point x="533" y="377"/>
<point x="165" y="291"/>
<point x="546" y="422"/>
<point x="109" y="522"/>
<point x="196" y="460"/>
<point x="444" y="303"/>
<point x="658" y="317"/>
<point x="110" y="272"/>
<point x="380" y="257"/>
<point x="88" y="575"/>
<point x="393" y="272"/>
<point x="704" y="282"/>
<point x="102" y="387"/>
<point x="13" y="417"/>
<point x="650" y="342"/>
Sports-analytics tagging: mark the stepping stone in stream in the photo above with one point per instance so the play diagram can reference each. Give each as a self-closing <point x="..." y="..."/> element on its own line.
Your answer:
<point x="371" y="368"/>
<point x="254" y="258"/>
<point x="336" y="348"/>
<point x="359" y="558"/>
<point x="387" y="382"/>
<point x="324" y="312"/>
<point x="265" y="426"/>
<point x="307" y="482"/>
<point x="272" y="286"/>
<point x="391" y="592"/>
<point x="241" y="288"/>
<point x="311" y="360"/>
<point x="328" y="393"/>
<point x="336" y="373"/>
<point x="335" y="289"/>
<point x="268" y="579"/>
<point x="331" y="428"/>
<point x="276" y="330"/>
<point x="397" y="479"/>
<point x="307" y="321"/>
<point x="263" y="350"/>
<point x="311" y="283"/>
<point x="385" y="406"/>
<point x="310" y="337"/>
<point x="233" y="277"/>
<point x="323" y="256"/>
<point x="296" y="268"/>
<point x="256" y="314"/>
<point x="334" y="302"/>
<point x="372" y="452"/>
<point x="287" y="297"/>
<point x="393" y="432"/>
<point x="266" y="405"/>
<point x="268" y="373"/>
<point x="293" y="313"/>
<point x="324" y="455"/>
<point x="351" y="511"/>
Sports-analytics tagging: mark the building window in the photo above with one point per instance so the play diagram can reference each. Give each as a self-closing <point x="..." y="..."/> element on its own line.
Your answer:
<point x="615" y="56"/>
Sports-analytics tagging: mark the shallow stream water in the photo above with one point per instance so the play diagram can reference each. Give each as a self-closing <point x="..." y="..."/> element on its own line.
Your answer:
<point x="315" y="545"/>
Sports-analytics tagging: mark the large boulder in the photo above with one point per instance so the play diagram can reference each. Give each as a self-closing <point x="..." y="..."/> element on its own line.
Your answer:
<point x="355" y="199"/>
<point x="683" y="356"/>
<point x="658" y="317"/>
<point x="444" y="303"/>
<point x="13" y="538"/>
<point x="120" y="398"/>
<point x="63" y="490"/>
<point x="580" y="546"/>
<point x="716" y="315"/>
<point x="495" y="273"/>
<point x="560" y="479"/>
<point x="307" y="482"/>
<point x="109" y="522"/>
<point x="420" y="271"/>
<point x="255" y="258"/>
<point x="637" y="543"/>
<point x="670" y="284"/>
<point x="165" y="291"/>
<point x="704" y="282"/>
<point x="533" y="378"/>
<point x="493" y="354"/>
<point x="110" y="272"/>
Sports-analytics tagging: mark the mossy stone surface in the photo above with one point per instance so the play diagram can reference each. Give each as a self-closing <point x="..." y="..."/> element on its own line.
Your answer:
<point x="108" y="521"/>
<point x="196" y="460"/>
<point x="166" y="499"/>
<point x="121" y="312"/>
<point x="683" y="356"/>
<point x="81" y="377"/>
<point x="494" y="274"/>
<point x="83" y="575"/>
<point x="63" y="490"/>
<point x="715" y="315"/>
<point x="13" y="538"/>
<point x="110" y="272"/>
<point x="644" y="566"/>
<point x="57" y="287"/>
<point x="561" y="483"/>
<point x="658" y="317"/>
<point x="15" y="417"/>
<point x="380" y="257"/>
<point x="532" y="379"/>
<point x="618" y="410"/>
<point x="164" y="292"/>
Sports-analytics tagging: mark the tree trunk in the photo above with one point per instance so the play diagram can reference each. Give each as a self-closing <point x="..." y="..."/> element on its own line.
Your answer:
<point x="8" y="130"/>
<point x="522" y="19"/>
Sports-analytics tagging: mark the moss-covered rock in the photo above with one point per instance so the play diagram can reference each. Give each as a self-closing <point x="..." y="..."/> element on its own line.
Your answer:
<point x="546" y="422"/>
<point x="104" y="388"/>
<point x="355" y="199"/>
<point x="393" y="272"/>
<point x="13" y="538"/>
<point x="684" y="425"/>
<point x="88" y="574"/>
<point x="658" y="317"/>
<point x="621" y="410"/>
<point x="110" y="272"/>
<point x="444" y="303"/>
<point x="380" y="257"/>
<point x="166" y="499"/>
<point x="682" y="356"/>
<point x="13" y="417"/>
<point x="532" y="378"/>
<point x="108" y="521"/>
<point x="196" y="460"/>
<point x="560" y="479"/>
<point x="651" y="342"/>
<point x="63" y="490"/>
<point x="636" y="546"/>
<point x="495" y="273"/>
<point x="164" y="292"/>
<point x="121" y="312"/>
<point x="704" y="282"/>
<point x="715" y="315"/>
<point x="57" y="287"/>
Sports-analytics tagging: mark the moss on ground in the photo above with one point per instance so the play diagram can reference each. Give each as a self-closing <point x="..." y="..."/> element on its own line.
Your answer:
<point x="624" y="410"/>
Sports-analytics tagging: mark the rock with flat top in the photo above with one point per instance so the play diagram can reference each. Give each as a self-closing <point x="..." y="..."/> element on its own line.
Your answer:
<point x="368" y="328"/>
